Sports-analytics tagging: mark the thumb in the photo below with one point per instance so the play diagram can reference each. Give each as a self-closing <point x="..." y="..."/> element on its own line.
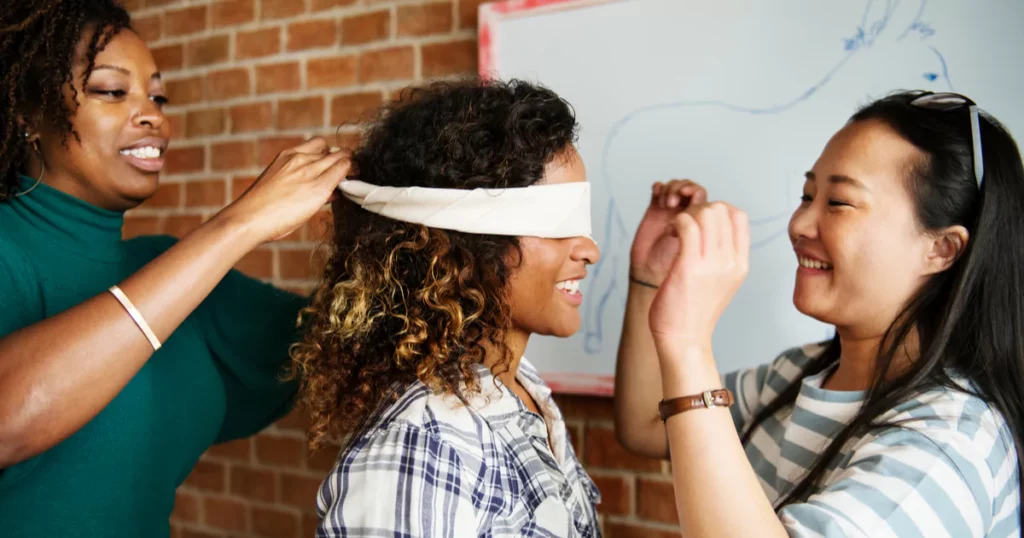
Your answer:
<point x="685" y="227"/>
<point x="699" y="197"/>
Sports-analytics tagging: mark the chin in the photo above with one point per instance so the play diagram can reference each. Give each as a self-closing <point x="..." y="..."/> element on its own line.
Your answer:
<point x="139" y="187"/>
<point x="565" y="329"/>
<point x="807" y="306"/>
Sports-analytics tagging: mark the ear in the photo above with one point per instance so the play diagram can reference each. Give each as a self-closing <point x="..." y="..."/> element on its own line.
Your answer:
<point x="946" y="248"/>
<point x="25" y="127"/>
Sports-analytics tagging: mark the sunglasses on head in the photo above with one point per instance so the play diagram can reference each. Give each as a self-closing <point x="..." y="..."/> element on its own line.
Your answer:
<point x="953" y="101"/>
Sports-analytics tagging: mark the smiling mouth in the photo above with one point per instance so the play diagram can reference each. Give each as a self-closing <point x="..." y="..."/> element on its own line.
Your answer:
<point x="570" y="289"/>
<point x="145" y="152"/>
<point x="146" y="158"/>
<point x="813" y="264"/>
<point x="571" y="286"/>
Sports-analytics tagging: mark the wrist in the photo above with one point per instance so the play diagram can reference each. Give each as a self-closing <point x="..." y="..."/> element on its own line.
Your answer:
<point x="688" y="371"/>
<point x="682" y="350"/>
<point x="642" y="284"/>
<point x="237" y="228"/>
<point x="642" y="276"/>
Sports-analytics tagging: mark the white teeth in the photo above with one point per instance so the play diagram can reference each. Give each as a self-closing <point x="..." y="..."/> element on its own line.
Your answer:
<point x="147" y="152"/>
<point x="571" y="286"/>
<point x="813" y="264"/>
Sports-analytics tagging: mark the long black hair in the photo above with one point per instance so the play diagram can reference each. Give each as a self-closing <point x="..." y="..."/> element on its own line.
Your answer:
<point x="38" y="39"/>
<point x="970" y="317"/>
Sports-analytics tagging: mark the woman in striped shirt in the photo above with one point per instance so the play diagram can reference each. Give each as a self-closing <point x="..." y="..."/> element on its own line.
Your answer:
<point x="909" y="240"/>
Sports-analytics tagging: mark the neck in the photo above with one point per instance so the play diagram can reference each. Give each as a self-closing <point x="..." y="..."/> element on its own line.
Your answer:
<point x="859" y="359"/>
<point x="515" y="341"/>
<point x="65" y="181"/>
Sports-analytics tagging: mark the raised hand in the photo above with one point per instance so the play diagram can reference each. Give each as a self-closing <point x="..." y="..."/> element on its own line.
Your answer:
<point x="711" y="259"/>
<point x="654" y="245"/>
<point x="295" y="186"/>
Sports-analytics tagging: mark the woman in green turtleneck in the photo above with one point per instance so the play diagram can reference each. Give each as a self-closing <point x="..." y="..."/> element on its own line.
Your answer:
<point x="97" y="429"/>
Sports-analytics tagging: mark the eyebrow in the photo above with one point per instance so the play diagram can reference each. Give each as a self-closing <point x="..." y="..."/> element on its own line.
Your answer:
<point x="156" y="76"/>
<point x="836" y="179"/>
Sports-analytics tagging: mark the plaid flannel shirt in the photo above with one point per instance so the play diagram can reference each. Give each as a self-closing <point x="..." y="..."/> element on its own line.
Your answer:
<point x="433" y="466"/>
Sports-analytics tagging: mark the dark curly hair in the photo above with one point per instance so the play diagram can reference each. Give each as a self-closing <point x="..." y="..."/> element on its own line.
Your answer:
<point x="402" y="302"/>
<point x="38" y="39"/>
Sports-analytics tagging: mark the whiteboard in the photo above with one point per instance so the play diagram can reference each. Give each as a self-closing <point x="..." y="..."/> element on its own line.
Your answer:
<point x="741" y="96"/>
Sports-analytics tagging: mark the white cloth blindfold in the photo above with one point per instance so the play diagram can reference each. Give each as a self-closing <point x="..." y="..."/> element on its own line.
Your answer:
<point x="556" y="211"/>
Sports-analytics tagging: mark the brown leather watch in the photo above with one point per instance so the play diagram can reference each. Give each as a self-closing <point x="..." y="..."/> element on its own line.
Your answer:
<point x="704" y="400"/>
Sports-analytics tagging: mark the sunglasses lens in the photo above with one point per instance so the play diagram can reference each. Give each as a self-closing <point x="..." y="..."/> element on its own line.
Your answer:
<point x="940" y="101"/>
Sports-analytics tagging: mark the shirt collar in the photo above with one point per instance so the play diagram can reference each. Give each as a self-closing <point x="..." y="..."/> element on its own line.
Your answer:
<point x="499" y="406"/>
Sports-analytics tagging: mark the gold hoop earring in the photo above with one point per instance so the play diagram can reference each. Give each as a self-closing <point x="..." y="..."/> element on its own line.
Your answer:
<point x="35" y="146"/>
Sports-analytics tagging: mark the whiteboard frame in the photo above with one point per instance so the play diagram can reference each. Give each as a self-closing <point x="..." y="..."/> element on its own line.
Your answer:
<point x="489" y="15"/>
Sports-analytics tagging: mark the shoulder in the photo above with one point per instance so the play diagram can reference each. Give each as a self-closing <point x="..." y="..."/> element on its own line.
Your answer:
<point x="949" y="440"/>
<point x="18" y="272"/>
<point x="443" y="419"/>
<point x="940" y="459"/>
<point x="15" y="262"/>
<point x="409" y="441"/>
<point x="405" y="455"/>
<point x="21" y="298"/>
<point x="961" y="425"/>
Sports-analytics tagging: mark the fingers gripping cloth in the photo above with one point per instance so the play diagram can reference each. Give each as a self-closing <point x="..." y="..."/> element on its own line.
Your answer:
<point x="553" y="211"/>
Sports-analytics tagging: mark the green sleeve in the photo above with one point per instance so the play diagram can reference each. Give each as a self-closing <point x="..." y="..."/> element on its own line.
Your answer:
<point x="21" y="299"/>
<point x="249" y="326"/>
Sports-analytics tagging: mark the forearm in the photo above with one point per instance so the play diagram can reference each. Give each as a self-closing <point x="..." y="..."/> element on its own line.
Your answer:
<point x="638" y="380"/>
<point x="710" y="470"/>
<point x="57" y="374"/>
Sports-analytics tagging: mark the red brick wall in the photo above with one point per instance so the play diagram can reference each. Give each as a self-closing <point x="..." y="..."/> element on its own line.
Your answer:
<point x="249" y="77"/>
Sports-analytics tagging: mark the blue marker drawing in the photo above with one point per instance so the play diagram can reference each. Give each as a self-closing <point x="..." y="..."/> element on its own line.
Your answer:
<point x="606" y="288"/>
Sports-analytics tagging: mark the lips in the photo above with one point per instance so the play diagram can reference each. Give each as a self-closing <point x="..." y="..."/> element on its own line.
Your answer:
<point x="146" y="154"/>
<point x="569" y="286"/>
<point x="812" y="263"/>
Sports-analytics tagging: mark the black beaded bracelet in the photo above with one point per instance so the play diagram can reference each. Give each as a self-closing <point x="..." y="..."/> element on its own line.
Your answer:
<point x="642" y="283"/>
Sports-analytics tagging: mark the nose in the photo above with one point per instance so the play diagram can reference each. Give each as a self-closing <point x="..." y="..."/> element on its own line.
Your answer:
<point x="803" y="223"/>
<point x="149" y="115"/>
<point x="585" y="250"/>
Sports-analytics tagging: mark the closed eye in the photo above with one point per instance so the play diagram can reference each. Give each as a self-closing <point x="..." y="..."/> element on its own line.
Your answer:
<point x="112" y="93"/>
<point x="806" y="198"/>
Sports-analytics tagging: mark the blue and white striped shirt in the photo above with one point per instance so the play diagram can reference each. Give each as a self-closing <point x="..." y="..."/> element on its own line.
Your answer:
<point x="432" y="466"/>
<point x="951" y="470"/>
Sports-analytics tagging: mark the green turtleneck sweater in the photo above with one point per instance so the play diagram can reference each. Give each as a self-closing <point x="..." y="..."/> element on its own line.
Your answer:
<point x="215" y="378"/>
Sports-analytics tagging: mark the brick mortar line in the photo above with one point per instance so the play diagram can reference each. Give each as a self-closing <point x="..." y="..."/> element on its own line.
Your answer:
<point x="256" y="25"/>
<point x="252" y="503"/>
<point x="276" y="468"/>
<point x="258" y="19"/>
<point x="650" y="523"/>
<point x="258" y="98"/>
<point x="241" y="137"/>
<point x="314" y="53"/>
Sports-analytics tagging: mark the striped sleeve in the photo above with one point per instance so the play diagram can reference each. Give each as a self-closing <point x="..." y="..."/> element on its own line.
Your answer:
<point x="902" y="483"/>
<point x="746" y="386"/>
<point x="753" y="388"/>
<point x="401" y="481"/>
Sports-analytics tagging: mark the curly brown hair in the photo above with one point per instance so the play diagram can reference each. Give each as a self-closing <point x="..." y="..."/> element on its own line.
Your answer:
<point x="400" y="302"/>
<point x="37" y="52"/>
